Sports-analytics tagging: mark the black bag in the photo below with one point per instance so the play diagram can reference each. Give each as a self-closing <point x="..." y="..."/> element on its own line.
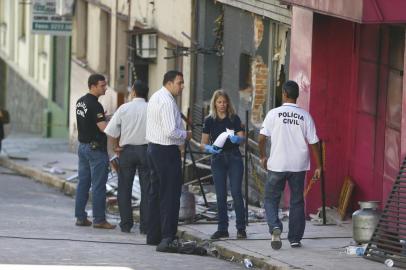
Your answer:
<point x="187" y="247"/>
<point x="5" y="118"/>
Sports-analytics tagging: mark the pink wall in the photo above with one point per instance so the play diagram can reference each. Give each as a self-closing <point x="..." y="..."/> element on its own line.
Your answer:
<point x="403" y="121"/>
<point x="361" y="11"/>
<point x="350" y="81"/>
<point x="301" y="53"/>
<point x="346" y="9"/>
<point x="301" y="58"/>
<point x="331" y="96"/>
<point x="366" y="164"/>
<point x="351" y="84"/>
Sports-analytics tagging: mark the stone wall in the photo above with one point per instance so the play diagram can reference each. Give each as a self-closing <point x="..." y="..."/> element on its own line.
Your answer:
<point x="24" y="103"/>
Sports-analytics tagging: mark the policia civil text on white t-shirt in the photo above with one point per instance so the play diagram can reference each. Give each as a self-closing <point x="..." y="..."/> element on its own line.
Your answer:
<point x="291" y="129"/>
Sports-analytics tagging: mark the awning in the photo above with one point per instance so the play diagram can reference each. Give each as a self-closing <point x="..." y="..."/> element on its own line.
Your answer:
<point x="361" y="11"/>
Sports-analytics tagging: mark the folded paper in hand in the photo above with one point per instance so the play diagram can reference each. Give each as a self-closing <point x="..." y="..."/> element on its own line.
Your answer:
<point x="221" y="139"/>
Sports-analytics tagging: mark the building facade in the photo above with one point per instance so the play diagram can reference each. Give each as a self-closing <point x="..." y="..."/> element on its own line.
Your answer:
<point x="159" y="32"/>
<point x="246" y="53"/>
<point x="99" y="45"/>
<point x="128" y="40"/>
<point x="35" y="94"/>
<point x="348" y="59"/>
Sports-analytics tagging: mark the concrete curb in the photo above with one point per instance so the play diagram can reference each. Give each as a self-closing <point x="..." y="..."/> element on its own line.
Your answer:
<point x="69" y="188"/>
<point x="228" y="253"/>
<point x="60" y="184"/>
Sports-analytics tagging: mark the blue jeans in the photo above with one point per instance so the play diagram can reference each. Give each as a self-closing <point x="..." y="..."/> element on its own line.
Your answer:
<point x="93" y="171"/>
<point x="274" y="187"/>
<point x="228" y="163"/>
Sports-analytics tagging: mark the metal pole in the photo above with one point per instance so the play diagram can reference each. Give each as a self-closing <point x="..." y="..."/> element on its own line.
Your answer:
<point x="197" y="174"/>
<point x="246" y="167"/>
<point x="185" y="149"/>
<point x="323" y="191"/>
<point x="189" y="148"/>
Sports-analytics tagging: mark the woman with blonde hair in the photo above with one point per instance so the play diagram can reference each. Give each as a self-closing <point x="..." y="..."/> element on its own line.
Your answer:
<point x="225" y="161"/>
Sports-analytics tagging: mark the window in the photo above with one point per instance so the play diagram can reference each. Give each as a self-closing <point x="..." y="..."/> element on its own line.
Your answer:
<point x="3" y="24"/>
<point x="80" y="20"/>
<point x="22" y="27"/>
<point x="2" y="11"/>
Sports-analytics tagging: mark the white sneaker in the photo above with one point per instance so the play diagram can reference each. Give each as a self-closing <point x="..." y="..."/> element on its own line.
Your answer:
<point x="295" y="244"/>
<point x="276" y="242"/>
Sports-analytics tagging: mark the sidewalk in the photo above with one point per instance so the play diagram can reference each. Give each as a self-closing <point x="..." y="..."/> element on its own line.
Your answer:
<point x="323" y="246"/>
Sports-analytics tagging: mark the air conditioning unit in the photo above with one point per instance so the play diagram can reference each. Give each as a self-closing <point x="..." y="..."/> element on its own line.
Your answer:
<point x="146" y="45"/>
<point x="64" y="7"/>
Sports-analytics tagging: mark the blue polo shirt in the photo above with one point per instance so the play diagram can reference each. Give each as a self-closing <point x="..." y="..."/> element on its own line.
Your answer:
<point x="214" y="127"/>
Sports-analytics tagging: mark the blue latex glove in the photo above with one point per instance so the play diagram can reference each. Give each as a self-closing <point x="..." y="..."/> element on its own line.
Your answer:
<point x="211" y="149"/>
<point x="235" y="139"/>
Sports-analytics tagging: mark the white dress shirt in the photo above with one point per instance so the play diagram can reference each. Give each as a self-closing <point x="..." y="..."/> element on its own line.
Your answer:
<point x="291" y="130"/>
<point x="129" y="123"/>
<point x="164" y="122"/>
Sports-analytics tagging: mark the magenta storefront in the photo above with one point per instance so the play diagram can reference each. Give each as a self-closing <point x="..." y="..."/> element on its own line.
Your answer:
<point x="348" y="57"/>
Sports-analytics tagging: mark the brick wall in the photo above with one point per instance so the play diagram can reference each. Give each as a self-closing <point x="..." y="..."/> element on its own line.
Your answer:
<point x="259" y="71"/>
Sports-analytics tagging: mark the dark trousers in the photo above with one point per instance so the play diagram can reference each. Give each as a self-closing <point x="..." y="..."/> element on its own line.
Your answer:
<point x="133" y="157"/>
<point x="164" y="193"/>
<point x="1" y="133"/>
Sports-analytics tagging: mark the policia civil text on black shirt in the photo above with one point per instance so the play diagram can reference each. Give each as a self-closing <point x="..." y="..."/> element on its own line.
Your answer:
<point x="93" y="157"/>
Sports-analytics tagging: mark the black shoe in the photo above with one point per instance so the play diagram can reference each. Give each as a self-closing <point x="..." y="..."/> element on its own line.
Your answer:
<point x="153" y="242"/>
<point x="241" y="234"/>
<point x="125" y="230"/>
<point x="276" y="242"/>
<point x="167" y="245"/>
<point x="219" y="234"/>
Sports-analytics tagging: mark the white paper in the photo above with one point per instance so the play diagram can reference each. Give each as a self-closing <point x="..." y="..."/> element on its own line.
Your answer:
<point x="221" y="139"/>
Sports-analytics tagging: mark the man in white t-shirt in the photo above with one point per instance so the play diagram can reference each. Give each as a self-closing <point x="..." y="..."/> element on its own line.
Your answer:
<point x="291" y="129"/>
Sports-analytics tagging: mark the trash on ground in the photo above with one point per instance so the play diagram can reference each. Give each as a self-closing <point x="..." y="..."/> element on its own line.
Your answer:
<point x="332" y="216"/>
<point x="72" y="178"/>
<point x="283" y="215"/>
<point x="356" y="250"/>
<point x="389" y="262"/>
<point x="248" y="263"/>
<point x="53" y="170"/>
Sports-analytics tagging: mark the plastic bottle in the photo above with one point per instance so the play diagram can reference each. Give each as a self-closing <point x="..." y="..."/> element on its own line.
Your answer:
<point x="354" y="250"/>
<point x="247" y="263"/>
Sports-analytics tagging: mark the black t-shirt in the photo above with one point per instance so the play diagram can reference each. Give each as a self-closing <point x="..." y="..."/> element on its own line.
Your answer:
<point x="214" y="127"/>
<point x="88" y="113"/>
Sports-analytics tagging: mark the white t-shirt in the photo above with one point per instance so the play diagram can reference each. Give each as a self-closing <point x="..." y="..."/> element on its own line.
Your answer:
<point x="291" y="130"/>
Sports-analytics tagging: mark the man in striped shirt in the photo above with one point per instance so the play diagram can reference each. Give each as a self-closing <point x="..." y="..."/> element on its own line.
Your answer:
<point x="165" y="132"/>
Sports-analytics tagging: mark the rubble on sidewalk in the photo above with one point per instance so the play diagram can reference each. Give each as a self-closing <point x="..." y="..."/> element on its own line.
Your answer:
<point x="332" y="217"/>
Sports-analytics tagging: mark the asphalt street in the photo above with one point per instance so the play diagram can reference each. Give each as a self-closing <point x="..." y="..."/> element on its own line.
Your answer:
<point x="37" y="228"/>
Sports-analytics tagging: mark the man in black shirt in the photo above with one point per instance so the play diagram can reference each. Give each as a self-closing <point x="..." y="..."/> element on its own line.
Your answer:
<point x="93" y="157"/>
